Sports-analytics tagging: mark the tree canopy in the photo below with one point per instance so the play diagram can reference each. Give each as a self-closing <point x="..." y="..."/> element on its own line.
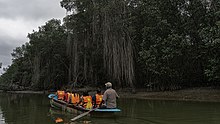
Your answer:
<point x="154" y="44"/>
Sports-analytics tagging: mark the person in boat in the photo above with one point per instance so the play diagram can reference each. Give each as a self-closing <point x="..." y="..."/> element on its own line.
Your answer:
<point x="85" y="100"/>
<point x="109" y="97"/>
<point x="67" y="96"/>
<point x="97" y="98"/>
<point x="74" y="98"/>
<point x="60" y="94"/>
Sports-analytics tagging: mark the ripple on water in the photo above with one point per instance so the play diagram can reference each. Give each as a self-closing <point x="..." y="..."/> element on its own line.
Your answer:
<point x="2" y="120"/>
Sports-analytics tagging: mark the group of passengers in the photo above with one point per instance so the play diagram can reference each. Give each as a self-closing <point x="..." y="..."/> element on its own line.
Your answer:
<point x="107" y="100"/>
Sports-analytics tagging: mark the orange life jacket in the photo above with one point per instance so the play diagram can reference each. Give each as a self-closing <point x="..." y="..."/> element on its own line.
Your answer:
<point x="68" y="97"/>
<point x="60" y="95"/>
<point x="98" y="99"/>
<point x="87" y="102"/>
<point x="75" y="98"/>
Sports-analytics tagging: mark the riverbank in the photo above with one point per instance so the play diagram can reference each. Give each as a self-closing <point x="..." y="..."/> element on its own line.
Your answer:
<point x="205" y="94"/>
<point x="26" y="92"/>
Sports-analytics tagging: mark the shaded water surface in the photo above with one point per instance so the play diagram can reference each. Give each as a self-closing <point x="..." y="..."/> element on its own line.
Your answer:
<point x="35" y="109"/>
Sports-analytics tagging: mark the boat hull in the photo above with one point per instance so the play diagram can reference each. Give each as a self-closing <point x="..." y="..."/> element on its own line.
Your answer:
<point x="63" y="106"/>
<point x="58" y="104"/>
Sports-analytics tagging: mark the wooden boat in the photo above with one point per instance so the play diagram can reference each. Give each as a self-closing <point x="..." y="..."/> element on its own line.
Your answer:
<point x="59" y="104"/>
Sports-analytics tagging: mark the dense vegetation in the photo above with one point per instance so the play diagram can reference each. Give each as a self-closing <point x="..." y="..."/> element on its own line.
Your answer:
<point x="156" y="44"/>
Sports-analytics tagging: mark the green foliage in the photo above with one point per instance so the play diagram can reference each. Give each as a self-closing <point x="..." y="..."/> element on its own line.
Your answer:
<point x="164" y="45"/>
<point x="39" y="63"/>
<point x="175" y="42"/>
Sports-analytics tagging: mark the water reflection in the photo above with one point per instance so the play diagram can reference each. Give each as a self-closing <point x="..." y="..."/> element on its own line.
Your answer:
<point x="169" y="112"/>
<point x="2" y="119"/>
<point x="35" y="109"/>
<point x="59" y="116"/>
<point x="24" y="108"/>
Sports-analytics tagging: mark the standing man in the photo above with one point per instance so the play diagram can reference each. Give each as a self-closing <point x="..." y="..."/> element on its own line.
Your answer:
<point x="110" y="96"/>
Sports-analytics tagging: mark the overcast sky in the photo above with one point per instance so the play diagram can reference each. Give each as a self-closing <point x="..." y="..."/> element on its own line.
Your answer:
<point x="20" y="17"/>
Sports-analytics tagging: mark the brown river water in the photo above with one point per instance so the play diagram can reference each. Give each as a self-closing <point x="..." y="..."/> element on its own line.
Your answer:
<point x="35" y="109"/>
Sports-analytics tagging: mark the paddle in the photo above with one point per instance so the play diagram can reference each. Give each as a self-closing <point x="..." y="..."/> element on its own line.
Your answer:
<point x="83" y="114"/>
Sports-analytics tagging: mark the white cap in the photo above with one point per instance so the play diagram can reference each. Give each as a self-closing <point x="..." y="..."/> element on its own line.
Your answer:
<point x="108" y="84"/>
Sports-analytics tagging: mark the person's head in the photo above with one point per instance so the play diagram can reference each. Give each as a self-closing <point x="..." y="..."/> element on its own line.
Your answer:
<point x="85" y="93"/>
<point x="68" y="90"/>
<point x="108" y="85"/>
<point x="98" y="91"/>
